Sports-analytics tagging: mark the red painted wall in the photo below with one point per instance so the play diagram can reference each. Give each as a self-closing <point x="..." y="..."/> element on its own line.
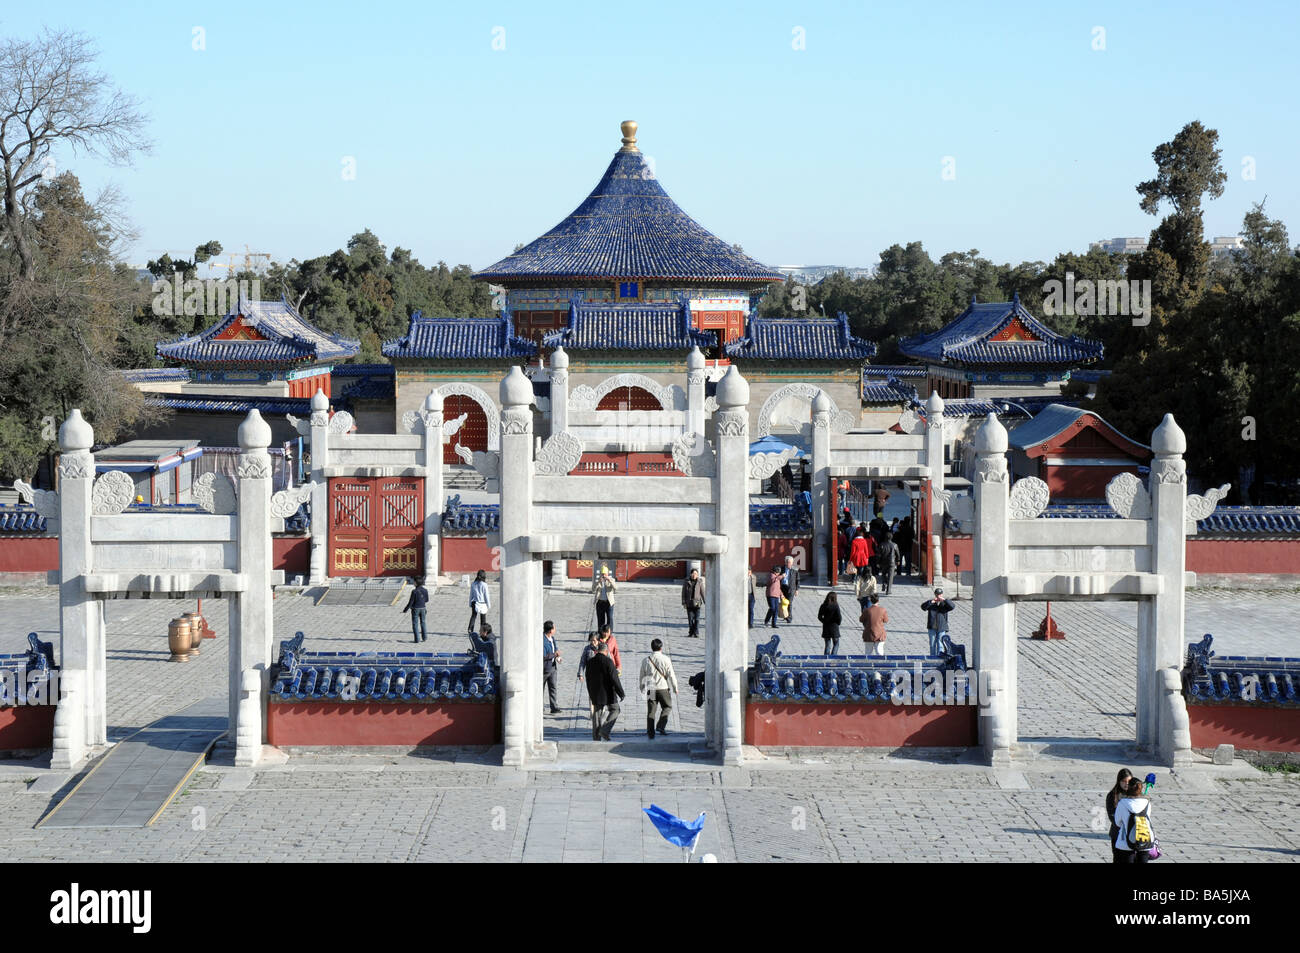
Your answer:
<point x="774" y="550"/>
<point x="383" y="723"/>
<point x="292" y="554"/>
<point x="29" y="553"/>
<point x="467" y="554"/>
<point x="1245" y="726"/>
<point x="26" y="726"/>
<point x="1243" y="555"/>
<point x="850" y="725"/>
<point x="963" y="546"/>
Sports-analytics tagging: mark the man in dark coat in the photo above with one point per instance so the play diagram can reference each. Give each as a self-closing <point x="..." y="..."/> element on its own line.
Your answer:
<point x="790" y="584"/>
<point x="693" y="601"/>
<point x="605" y="691"/>
<point x="550" y="663"/>
<point x="936" y="621"/>
<point x="416" y="606"/>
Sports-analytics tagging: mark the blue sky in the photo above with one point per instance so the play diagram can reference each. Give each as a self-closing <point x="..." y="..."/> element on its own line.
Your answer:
<point x="825" y="154"/>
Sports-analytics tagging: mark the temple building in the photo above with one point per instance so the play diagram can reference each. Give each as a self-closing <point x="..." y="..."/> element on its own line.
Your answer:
<point x="1076" y="453"/>
<point x="998" y="349"/>
<point x="628" y="285"/>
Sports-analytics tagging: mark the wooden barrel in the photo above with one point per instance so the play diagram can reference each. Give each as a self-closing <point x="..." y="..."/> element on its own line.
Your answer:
<point x="179" y="639"/>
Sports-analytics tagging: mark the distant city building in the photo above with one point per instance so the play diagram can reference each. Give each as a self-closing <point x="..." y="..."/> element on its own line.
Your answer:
<point x="1222" y="245"/>
<point x="811" y="274"/>
<point x="1121" y="246"/>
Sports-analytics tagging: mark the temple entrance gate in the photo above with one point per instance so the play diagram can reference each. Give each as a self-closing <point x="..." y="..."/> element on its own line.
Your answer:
<point x="548" y="514"/>
<point x="376" y="524"/>
<point x="847" y="456"/>
<point x="1141" y="556"/>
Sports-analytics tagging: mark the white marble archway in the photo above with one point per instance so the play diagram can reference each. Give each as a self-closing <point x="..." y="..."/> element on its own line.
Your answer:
<point x="412" y="424"/>
<point x="840" y="422"/>
<point x="670" y="397"/>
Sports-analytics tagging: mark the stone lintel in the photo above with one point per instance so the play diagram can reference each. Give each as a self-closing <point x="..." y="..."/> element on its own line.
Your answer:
<point x="167" y="582"/>
<point x="1136" y="585"/>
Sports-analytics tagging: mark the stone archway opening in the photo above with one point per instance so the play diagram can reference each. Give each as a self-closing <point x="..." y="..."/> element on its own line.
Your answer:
<point x="629" y="397"/>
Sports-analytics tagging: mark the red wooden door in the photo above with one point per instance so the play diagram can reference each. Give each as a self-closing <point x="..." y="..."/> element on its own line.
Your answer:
<point x="473" y="433"/>
<point x="376" y="526"/>
<point x="629" y="398"/>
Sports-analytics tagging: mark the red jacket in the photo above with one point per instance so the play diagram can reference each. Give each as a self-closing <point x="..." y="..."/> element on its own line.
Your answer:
<point x="864" y="547"/>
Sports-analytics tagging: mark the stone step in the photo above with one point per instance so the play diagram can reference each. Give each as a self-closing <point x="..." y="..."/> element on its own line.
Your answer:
<point x="679" y="744"/>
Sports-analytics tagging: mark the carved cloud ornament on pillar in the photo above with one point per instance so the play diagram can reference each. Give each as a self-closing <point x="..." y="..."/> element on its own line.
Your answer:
<point x="693" y="456"/>
<point x="285" y="503"/>
<point x="763" y="465"/>
<point x="112" y="493"/>
<point x="341" y="422"/>
<point x="254" y="466"/>
<point x="559" y="455"/>
<point x="215" y="493"/>
<point x="1128" y="497"/>
<point x="991" y="470"/>
<point x="46" y="502"/>
<point x="1029" y="497"/>
<point x="1200" y="507"/>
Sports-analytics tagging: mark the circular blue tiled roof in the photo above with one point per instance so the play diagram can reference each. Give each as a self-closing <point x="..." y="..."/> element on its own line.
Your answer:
<point x="628" y="227"/>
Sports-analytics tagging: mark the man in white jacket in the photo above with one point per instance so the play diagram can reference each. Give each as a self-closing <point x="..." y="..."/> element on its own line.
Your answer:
<point x="658" y="681"/>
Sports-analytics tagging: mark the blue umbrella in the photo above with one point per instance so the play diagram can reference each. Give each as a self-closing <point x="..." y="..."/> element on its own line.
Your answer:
<point x="770" y="444"/>
<point x="675" y="830"/>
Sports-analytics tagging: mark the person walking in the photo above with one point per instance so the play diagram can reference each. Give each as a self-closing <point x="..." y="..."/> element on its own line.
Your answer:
<point x="550" y="663"/>
<point x="588" y="650"/>
<point x="790" y="585"/>
<point x="904" y="539"/>
<point x="611" y="646"/>
<point x="605" y="691"/>
<point x="1133" y="823"/>
<point x="692" y="600"/>
<point x="828" y="614"/>
<point x="887" y="563"/>
<point x="879" y="498"/>
<point x="479" y="600"/>
<point x="773" y="597"/>
<point x="873" y="619"/>
<point x="1113" y="797"/>
<point x="603" y="586"/>
<point x="659" y="682"/>
<point x="864" y="587"/>
<point x="751" y="584"/>
<point x="416" y="606"/>
<point x="861" y="552"/>
<point x="936" y="621"/>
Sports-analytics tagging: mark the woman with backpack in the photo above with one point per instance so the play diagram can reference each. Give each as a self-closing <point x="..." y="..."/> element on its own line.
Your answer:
<point x="1135" y="838"/>
<point x="1112" y="801"/>
<point x="829" y="616"/>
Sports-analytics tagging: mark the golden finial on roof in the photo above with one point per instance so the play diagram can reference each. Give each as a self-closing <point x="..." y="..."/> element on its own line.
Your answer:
<point x="629" y="136"/>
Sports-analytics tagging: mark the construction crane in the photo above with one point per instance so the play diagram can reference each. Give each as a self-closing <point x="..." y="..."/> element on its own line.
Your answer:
<point x="249" y="256"/>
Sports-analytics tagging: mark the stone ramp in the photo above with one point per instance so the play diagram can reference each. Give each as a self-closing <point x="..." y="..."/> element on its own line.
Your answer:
<point x="137" y="779"/>
<point x="363" y="592"/>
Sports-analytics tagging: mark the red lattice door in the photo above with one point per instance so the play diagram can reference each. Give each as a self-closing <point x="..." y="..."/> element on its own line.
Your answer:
<point x="473" y="433"/>
<point x="376" y="526"/>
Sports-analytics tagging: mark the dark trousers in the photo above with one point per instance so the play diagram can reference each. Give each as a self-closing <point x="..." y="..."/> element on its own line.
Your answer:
<point x="602" y="721"/>
<point x="417" y="625"/>
<point x="887" y="577"/>
<point x="551" y="679"/>
<point x="693" y="621"/>
<point x="832" y="645"/>
<point x="663" y="699"/>
<point x="751" y="608"/>
<point x="773" y="610"/>
<point x="791" y="598"/>
<point x="604" y="615"/>
<point x="1130" y="856"/>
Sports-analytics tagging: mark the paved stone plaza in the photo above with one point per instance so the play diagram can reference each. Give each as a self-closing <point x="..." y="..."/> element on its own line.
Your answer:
<point x="1076" y="711"/>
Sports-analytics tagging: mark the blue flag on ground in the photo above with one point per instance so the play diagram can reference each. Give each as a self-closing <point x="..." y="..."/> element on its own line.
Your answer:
<point x="673" y="828"/>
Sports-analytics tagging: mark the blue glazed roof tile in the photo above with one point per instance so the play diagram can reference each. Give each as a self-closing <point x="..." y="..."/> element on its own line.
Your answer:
<point x="1255" y="681"/>
<point x="1252" y="521"/>
<point x="460" y="339"/>
<point x="965" y="340"/>
<point x="144" y="375"/>
<point x="213" y="404"/>
<point x="639" y="327"/>
<point x="20" y="519"/>
<point x="289" y="340"/>
<point x="800" y="339"/>
<point x="981" y="406"/>
<point x="628" y="227"/>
